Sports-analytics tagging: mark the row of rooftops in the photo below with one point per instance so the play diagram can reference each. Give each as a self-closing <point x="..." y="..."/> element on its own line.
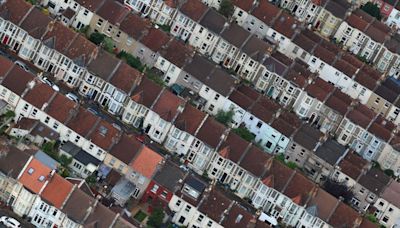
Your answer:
<point x="110" y="69"/>
<point x="71" y="196"/>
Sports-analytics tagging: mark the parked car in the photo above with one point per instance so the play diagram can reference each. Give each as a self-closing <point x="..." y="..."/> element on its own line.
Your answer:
<point x="73" y="97"/>
<point x="50" y="83"/>
<point x="22" y="65"/>
<point x="10" y="222"/>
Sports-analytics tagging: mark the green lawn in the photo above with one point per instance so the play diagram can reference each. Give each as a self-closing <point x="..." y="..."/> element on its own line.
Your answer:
<point x="140" y="216"/>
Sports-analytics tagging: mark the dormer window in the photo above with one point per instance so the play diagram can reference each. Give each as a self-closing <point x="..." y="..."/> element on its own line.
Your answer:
<point x="31" y="171"/>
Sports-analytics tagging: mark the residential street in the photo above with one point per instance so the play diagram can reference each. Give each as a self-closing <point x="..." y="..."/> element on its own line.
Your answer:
<point x="6" y="212"/>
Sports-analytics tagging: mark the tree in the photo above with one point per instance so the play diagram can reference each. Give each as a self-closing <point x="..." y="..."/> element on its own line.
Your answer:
<point x="156" y="218"/>
<point x="108" y="44"/>
<point x="389" y="172"/>
<point x="131" y="60"/>
<point x="372" y="9"/>
<point x="338" y="190"/>
<point x="64" y="160"/>
<point x="97" y="38"/>
<point x="244" y="133"/>
<point x="226" y="8"/>
<point x="49" y="149"/>
<point x="224" y="117"/>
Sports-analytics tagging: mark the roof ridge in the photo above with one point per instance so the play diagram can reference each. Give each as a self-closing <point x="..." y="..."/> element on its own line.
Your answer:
<point x="25" y="16"/>
<point x="93" y="127"/>
<point x="201" y="125"/>
<point x="68" y="196"/>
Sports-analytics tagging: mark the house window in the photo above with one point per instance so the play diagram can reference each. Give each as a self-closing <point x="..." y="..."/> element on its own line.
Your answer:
<point x="181" y="219"/>
<point x="86" y="12"/>
<point x="187" y="208"/>
<point x="99" y="22"/>
<point x="200" y="218"/>
<point x="216" y="97"/>
<point x="186" y="78"/>
<point x="154" y="189"/>
<point x="178" y="203"/>
<point x="77" y="138"/>
<point x="207" y="89"/>
<point x="55" y="126"/>
<point x="211" y="108"/>
<point x="259" y="124"/>
<point x="34" y="112"/>
<point x="268" y="145"/>
<point x="26" y="106"/>
<point x="47" y="120"/>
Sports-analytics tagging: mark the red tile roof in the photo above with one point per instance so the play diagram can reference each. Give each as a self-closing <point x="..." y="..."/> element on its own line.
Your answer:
<point x="61" y="108"/>
<point x="125" y="78"/>
<point x="82" y="123"/>
<point x="57" y="191"/>
<point x="233" y="147"/>
<point x="17" y="80"/>
<point x="359" y="19"/>
<point x="299" y="189"/>
<point x="126" y="149"/>
<point x="39" y="95"/>
<point x="324" y="202"/>
<point x="194" y="9"/>
<point x="266" y="12"/>
<point x="112" y="11"/>
<point x="239" y="217"/>
<point x="215" y="205"/>
<point x="277" y="175"/>
<point x="58" y="36"/>
<point x="146" y="162"/>
<point x="135" y="26"/>
<point x="35" y="23"/>
<point x="339" y="102"/>
<point x="190" y="119"/>
<point x="155" y="39"/>
<point x="5" y="66"/>
<point x="245" y="5"/>
<point x="286" y="24"/>
<point x="286" y="123"/>
<point x="178" y="53"/>
<point x="91" y="5"/>
<point x="104" y="135"/>
<point x="382" y="128"/>
<point x="146" y="92"/>
<point x="14" y="10"/>
<point x="167" y="106"/>
<point x="324" y="54"/>
<point x="345" y="67"/>
<point x="361" y="115"/>
<point x="255" y="161"/>
<point x="35" y="176"/>
<point x="352" y="165"/>
<point x="81" y="50"/>
<point x="211" y="132"/>
<point x="319" y="89"/>
<point x="344" y="216"/>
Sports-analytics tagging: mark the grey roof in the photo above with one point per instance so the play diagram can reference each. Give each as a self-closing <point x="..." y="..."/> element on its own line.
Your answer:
<point x="199" y="67"/>
<point x="123" y="188"/>
<point x="330" y="151"/>
<point x="86" y="159"/>
<point x="46" y="159"/>
<point x="307" y="137"/>
<point x="3" y="104"/>
<point x="235" y="34"/>
<point x="45" y="132"/>
<point x="338" y="8"/>
<point x="195" y="183"/>
<point x="169" y="176"/>
<point x="80" y="155"/>
<point x="374" y="180"/>
<point x="256" y="48"/>
<point x="12" y="161"/>
<point x="213" y="21"/>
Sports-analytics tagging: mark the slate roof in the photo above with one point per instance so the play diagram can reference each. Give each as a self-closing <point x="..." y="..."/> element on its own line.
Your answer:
<point x="374" y="180"/>
<point x="168" y="105"/>
<point x="214" y="205"/>
<point x="213" y="21"/>
<point x="330" y="151"/>
<point x="194" y="9"/>
<point x="14" y="10"/>
<point x="307" y="137"/>
<point x="78" y="211"/>
<point x="35" y="23"/>
<point x="134" y="26"/>
<point x="112" y="11"/>
<point x="169" y="176"/>
<point x="190" y="119"/>
<point x="12" y="160"/>
<point x="17" y="80"/>
<point x="210" y="132"/>
<point x="146" y="92"/>
<point x="352" y="165"/>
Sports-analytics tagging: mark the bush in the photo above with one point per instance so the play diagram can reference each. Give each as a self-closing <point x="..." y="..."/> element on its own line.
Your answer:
<point x="97" y="38"/>
<point x="372" y="9"/>
<point x="389" y="172"/>
<point x="224" y="117"/>
<point x="244" y="133"/>
<point x="226" y="8"/>
<point x="156" y="218"/>
<point x="49" y="149"/>
<point x="371" y="218"/>
<point x="108" y="44"/>
<point x="131" y="60"/>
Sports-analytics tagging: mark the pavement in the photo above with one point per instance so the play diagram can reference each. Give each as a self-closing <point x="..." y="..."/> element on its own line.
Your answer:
<point x="9" y="213"/>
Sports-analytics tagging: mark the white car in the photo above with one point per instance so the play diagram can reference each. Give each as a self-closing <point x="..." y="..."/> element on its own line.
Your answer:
<point x="72" y="97"/>
<point x="22" y="65"/>
<point x="10" y="222"/>
<point x="50" y="83"/>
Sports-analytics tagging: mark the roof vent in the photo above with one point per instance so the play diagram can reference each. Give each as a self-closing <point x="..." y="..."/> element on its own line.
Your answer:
<point x="41" y="178"/>
<point x="103" y="130"/>
<point x="31" y="171"/>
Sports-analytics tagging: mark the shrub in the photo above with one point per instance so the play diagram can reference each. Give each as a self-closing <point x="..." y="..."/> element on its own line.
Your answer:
<point x="372" y="9"/>
<point x="244" y="133"/>
<point x="97" y="38"/>
<point x="156" y="218"/>
<point x="224" y="117"/>
<point x="226" y="8"/>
